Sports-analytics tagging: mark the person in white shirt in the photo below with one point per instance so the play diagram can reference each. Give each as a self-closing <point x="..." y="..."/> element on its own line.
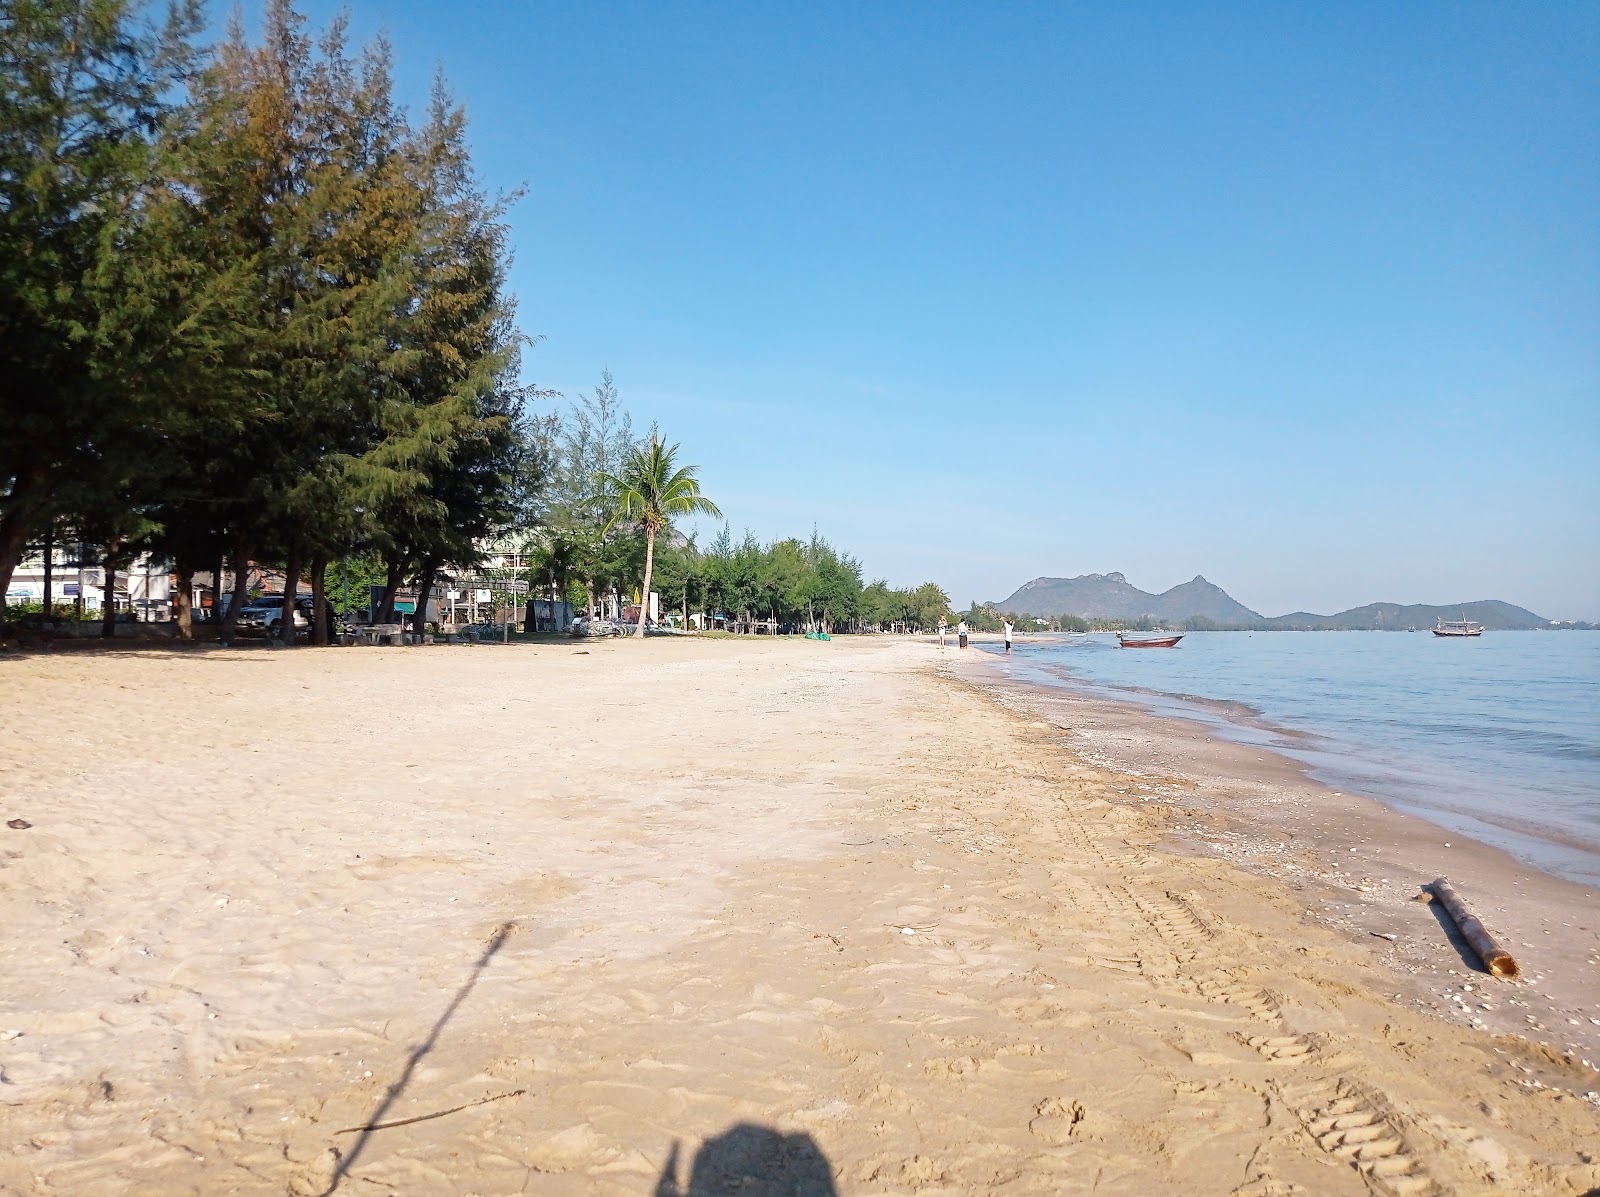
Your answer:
<point x="1007" y="626"/>
<point x="961" y="634"/>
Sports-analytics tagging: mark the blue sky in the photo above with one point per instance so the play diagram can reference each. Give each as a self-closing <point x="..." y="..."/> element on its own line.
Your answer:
<point x="1302" y="298"/>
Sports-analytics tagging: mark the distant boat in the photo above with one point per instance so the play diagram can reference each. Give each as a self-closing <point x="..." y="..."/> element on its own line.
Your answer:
<point x="1159" y="642"/>
<point x="1457" y="627"/>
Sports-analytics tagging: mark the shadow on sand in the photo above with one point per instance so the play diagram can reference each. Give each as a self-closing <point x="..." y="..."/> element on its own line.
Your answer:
<point x="374" y="1121"/>
<point x="753" y="1161"/>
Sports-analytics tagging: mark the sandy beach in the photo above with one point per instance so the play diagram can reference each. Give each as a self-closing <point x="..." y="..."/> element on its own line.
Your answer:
<point x="753" y="917"/>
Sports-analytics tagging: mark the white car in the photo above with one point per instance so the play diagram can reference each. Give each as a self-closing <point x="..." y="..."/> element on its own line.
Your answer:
<point x="261" y="616"/>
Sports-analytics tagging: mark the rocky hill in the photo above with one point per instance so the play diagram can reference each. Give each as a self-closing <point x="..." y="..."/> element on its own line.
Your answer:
<point x="1110" y="596"/>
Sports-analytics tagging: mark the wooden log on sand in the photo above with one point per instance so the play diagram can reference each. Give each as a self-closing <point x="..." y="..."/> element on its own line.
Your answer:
<point x="1495" y="958"/>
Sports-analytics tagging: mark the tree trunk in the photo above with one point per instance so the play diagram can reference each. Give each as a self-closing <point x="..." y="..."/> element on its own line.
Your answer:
<point x="15" y="525"/>
<point x="291" y="586"/>
<point x="184" y="601"/>
<point x="13" y="538"/>
<point x="588" y="590"/>
<point x="108" y="611"/>
<point x="241" y="587"/>
<point x="319" y="599"/>
<point x="391" y="584"/>
<point x="419" y="619"/>
<point x="644" y="595"/>
<point x="49" y="567"/>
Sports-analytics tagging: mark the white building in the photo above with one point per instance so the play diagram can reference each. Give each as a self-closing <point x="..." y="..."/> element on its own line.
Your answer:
<point x="75" y="579"/>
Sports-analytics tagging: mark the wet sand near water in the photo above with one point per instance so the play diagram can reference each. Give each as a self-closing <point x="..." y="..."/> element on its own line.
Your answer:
<point x="565" y="918"/>
<point x="1357" y="865"/>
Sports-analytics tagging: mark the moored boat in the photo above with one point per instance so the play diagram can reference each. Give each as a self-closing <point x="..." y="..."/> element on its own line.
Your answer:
<point x="1149" y="642"/>
<point x="1457" y="627"/>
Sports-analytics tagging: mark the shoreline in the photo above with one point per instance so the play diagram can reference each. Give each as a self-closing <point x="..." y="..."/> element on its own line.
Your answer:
<point x="1357" y="863"/>
<point x="1415" y="785"/>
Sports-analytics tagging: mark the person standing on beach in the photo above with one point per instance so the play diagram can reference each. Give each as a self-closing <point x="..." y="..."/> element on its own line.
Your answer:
<point x="942" y="627"/>
<point x="1007" y="627"/>
<point x="961" y="634"/>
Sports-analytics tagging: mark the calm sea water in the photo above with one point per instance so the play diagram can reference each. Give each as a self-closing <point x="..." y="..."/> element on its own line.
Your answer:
<point x="1497" y="737"/>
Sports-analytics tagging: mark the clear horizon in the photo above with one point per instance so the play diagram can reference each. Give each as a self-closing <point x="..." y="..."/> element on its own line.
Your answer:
<point x="1300" y="300"/>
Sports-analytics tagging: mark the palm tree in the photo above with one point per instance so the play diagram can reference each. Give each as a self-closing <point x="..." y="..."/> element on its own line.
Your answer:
<point x="649" y="489"/>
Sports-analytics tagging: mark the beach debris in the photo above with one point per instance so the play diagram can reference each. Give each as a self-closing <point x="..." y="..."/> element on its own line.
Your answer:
<point x="1495" y="958"/>
<point x="18" y="824"/>
<point x="908" y="930"/>
<point x="482" y="1101"/>
<point x="1384" y="935"/>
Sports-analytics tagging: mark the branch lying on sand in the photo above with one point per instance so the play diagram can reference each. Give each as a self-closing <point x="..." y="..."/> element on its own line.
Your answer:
<point x="482" y="1101"/>
<point x="1495" y="958"/>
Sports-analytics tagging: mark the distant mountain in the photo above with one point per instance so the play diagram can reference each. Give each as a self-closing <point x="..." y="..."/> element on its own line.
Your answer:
<point x="1491" y="613"/>
<point x="1110" y="596"/>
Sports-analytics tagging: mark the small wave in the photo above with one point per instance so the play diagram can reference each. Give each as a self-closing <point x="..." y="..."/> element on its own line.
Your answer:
<point x="1542" y="741"/>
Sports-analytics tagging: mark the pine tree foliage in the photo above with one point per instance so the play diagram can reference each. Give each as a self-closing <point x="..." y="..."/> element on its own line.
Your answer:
<point x="83" y="91"/>
<point x="245" y="307"/>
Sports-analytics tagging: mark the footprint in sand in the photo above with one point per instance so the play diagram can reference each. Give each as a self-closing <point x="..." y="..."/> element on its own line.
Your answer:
<point x="1057" y="1120"/>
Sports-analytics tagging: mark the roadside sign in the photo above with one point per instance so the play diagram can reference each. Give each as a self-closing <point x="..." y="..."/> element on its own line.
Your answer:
<point x="504" y="585"/>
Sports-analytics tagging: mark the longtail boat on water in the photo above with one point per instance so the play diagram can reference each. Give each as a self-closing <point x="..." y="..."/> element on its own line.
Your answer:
<point x="1158" y="642"/>
<point x="1457" y="627"/>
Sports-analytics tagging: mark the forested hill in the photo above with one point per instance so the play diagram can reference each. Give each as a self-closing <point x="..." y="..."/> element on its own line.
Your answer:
<point x="1199" y="603"/>
<point x="1491" y="613"/>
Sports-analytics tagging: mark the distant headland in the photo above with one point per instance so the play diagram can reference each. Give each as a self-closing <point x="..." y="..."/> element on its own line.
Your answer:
<point x="1198" y="605"/>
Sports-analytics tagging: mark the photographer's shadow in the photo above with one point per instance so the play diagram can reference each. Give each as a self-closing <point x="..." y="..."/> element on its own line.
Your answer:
<point x="752" y="1161"/>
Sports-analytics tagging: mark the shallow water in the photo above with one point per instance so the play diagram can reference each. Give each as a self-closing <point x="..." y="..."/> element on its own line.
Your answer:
<point x="1496" y="737"/>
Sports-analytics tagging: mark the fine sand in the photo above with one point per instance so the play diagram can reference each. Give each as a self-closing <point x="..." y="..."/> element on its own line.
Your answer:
<point x="729" y="917"/>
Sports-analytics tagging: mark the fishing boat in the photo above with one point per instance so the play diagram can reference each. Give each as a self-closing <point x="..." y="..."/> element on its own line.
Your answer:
<point x="1457" y="627"/>
<point x="1149" y="642"/>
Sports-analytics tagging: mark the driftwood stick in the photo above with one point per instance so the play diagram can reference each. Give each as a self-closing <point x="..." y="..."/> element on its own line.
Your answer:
<point x="1495" y="958"/>
<point x="482" y="1101"/>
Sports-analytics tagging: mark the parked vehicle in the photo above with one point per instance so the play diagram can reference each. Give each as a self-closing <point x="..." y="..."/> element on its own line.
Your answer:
<point x="262" y="616"/>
